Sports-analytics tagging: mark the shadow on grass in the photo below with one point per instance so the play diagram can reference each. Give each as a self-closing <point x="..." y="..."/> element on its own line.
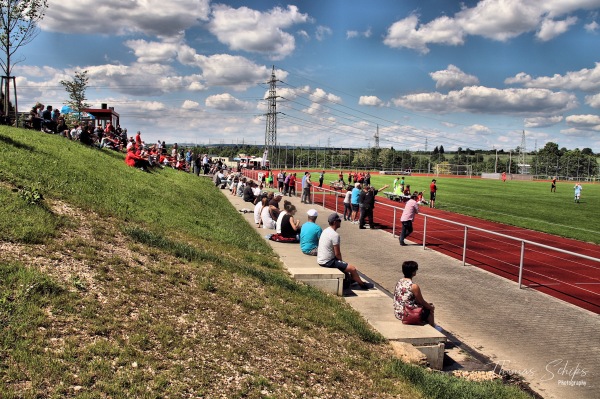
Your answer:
<point x="16" y="144"/>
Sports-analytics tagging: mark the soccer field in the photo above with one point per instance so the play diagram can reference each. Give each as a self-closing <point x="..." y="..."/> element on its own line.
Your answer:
<point x="528" y="204"/>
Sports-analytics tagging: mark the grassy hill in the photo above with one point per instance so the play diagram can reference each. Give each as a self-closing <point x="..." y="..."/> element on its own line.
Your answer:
<point x="120" y="283"/>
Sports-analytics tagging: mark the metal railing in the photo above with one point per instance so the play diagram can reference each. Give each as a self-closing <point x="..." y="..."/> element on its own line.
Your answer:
<point x="322" y="192"/>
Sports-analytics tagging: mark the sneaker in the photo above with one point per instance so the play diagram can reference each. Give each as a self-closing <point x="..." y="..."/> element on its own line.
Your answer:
<point x="367" y="286"/>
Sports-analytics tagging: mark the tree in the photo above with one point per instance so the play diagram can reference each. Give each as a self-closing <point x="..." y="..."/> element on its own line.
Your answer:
<point x="18" y="27"/>
<point x="76" y="89"/>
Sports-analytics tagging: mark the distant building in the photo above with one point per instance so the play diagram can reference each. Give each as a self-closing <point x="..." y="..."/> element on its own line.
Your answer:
<point x="101" y="116"/>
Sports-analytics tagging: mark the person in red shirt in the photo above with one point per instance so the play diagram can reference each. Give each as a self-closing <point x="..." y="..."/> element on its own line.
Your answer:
<point x="136" y="161"/>
<point x="432" y="193"/>
<point x="292" y="185"/>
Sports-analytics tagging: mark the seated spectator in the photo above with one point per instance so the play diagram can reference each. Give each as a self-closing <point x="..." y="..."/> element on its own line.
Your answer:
<point x="267" y="217"/>
<point x="48" y="125"/>
<point x="137" y="161"/>
<point x="240" y="187"/>
<point x="258" y="210"/>
<point x="290" y="226"/>
<point x="329" y="253"/>
<point x="249" y="192"/>
<point x="274" y="205"/>
<point x="310" y="234"/>
<point x="408" y="294"/>
<point x="286" y="205"/>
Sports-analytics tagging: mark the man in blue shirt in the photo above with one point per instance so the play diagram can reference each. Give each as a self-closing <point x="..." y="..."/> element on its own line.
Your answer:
<point x="310" y="232"/>
<point x="354" y="202"/>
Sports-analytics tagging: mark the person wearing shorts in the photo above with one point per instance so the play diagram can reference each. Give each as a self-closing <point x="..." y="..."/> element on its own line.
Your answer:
<point x="432" y="193"/>
<point x="329" y="253"/>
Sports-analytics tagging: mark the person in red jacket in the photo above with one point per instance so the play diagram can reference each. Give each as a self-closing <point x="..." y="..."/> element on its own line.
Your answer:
<point x="432" y="193"/>
<point x="137" y="161"/>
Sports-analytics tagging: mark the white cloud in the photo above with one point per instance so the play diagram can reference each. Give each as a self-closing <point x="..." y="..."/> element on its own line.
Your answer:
<point x="542" y="121"/>
<point x="254" y="31"/>
<point x="584" y="122"/>
<point x="320" y="96"/>
<point x="165" y="18"/>
<point x="550" y="28"/>
<point x="151" y="52"/>
<point x="351" y="34"/>
<point x="406" y="33"/>
<point x="592" y="27"/>
<point x="584" y="79"/>
<point x="477" y="130"/>
<point x="372" y="101"/>
<point x="322" y="32"/>
<point x="303" y="34"/>
<point x="479" y="99"/>
<point x="499" y="20"/>
<point x="593" y="101"/>
<point x="227" y="102"/>
<point x="453" y="78"/>
<point x="189" y="104"/>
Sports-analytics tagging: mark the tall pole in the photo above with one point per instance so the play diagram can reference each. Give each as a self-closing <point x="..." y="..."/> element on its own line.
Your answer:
<point x="271" y="127"/>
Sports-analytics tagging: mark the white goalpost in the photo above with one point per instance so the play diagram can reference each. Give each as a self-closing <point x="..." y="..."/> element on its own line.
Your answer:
<point x="453" y="169"/>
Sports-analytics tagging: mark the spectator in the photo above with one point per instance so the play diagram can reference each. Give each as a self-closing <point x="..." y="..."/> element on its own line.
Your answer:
<point x="354" y="202"/>
<point x="306" y="184"/>
<point x="310" y="234"/>
<point x="329" y="253"/>
<point x="366" y="201"/>
<point x="411" y="209"/>
<point x="258" y="210"/>
<point x="321" y="178"/>
<point x="292" y="184"/>
<point x="348" y="203"/>
<point x="268" y="217"/>
<point x="408" y="294"/>
<point x="249" y="192"/>
<point x="286" y="206"/>
<point x="290" y="226"/>
<point x="132" y="159"/>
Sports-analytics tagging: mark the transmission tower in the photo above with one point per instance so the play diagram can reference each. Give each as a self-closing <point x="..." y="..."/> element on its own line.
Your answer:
<point x="271" y="128"/>
<point x="522" y="152"/>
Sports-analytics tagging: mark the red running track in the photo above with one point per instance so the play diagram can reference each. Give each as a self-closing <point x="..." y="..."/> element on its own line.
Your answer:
<point x="567" y="277"/>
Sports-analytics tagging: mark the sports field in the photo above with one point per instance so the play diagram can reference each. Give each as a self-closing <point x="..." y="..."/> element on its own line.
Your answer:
<point x="527" y="204"/>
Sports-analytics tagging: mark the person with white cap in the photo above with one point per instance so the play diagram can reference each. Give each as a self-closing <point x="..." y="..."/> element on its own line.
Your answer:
<point x="329" y="253"/>
<point x="310" y="232"/>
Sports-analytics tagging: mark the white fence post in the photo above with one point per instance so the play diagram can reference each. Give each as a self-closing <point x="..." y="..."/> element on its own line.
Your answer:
<point x="465" y="247"/>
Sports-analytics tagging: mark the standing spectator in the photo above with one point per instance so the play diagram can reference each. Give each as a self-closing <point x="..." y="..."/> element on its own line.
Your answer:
<point x="354" y="202"/>
<point x="321" y="177"/>
<point x="553" y="186"/>
<point x="310" y="234"/>
<point x="408" y="294"/>
<point x="432" y="193"/>
<point x="350" y="174"/>
<point x="341" y="178"/>
<point x="286" y="184"/>
<point x="138" y="139"/>
<point x="280" y="181"/>
<point x="348" y="203"/>
<point x="368" y="179"/>
<point x="292" y="184"/>
<point x="503" y="177"/>
<point x="366" y="203"/>
<point x="411" y="209"/>
<point x="578" y="189"/>
<point x="306" y="183"/>
<point x="329" y="253"/>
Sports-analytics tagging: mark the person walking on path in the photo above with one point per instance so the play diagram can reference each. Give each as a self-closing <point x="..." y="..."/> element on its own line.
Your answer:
<point x="329" y="253"/>
<point x="306" y="183"/>
<point x="553" y="185"/>
<point x="411" y="209"/>
<point x="578" y="189"/>
<point x="432" y="193"/>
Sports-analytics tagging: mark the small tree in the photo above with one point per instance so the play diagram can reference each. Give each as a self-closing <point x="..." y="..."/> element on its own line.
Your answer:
<point x="18" y="27"/>
<point x="76" y="89"/>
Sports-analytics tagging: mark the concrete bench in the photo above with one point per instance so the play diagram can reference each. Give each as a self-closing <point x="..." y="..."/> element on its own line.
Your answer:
<point x="425" y="338"/>
<point x="305" y="268"/>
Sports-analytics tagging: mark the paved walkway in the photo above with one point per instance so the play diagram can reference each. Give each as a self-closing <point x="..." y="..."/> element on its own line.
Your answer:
<point x="554" y="345"/>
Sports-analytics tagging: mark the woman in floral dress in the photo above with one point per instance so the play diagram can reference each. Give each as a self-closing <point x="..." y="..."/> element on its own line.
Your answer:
<point x="409" y="293"/>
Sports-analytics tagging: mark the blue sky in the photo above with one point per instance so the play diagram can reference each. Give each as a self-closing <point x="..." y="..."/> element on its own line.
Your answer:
<point x="472" y="74"/>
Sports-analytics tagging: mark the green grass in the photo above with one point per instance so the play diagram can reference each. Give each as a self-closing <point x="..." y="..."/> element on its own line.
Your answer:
<point x="119" y="283"/>
<point x="527" y="204"/>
